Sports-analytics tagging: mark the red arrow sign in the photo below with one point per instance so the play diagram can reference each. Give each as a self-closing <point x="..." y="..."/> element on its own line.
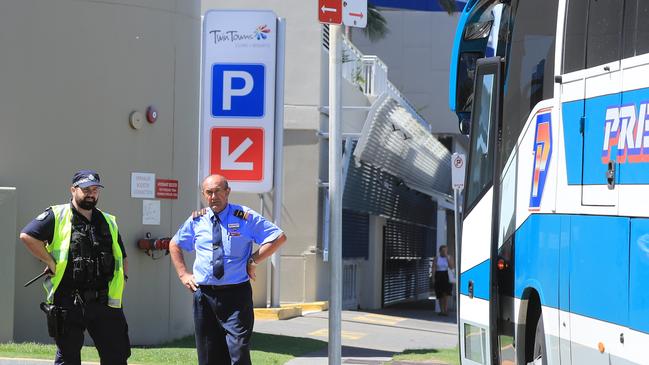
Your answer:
<point x="238" y="153"/>
<point x="360" y="15"/>
<point x="330" y="11"/>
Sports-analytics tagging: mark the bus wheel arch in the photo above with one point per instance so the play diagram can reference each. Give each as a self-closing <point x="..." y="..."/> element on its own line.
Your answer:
<point x="527" y="332"/>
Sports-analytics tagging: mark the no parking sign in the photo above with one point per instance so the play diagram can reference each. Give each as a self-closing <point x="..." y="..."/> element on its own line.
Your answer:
<point x="458" y="168"/>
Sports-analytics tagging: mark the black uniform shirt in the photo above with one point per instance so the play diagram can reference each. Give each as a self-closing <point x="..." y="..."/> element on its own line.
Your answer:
<point x="42" y="228"/>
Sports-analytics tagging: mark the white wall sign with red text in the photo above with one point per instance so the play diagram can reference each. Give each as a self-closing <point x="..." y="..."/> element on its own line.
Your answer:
<point x="238" y="98"/>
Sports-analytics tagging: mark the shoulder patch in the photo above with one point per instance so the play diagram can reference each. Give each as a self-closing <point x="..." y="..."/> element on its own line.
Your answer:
<point x="199" y="213"/>
<point x="43" y="215"/>
<point x="241" y="214"/>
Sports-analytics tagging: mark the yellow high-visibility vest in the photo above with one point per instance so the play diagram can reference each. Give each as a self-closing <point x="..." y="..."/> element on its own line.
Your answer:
<point x="60" y="247"/>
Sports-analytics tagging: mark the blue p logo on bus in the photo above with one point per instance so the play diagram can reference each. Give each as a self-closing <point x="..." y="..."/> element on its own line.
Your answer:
<point x="542" y="155"/>
<point x="238" y="90"/>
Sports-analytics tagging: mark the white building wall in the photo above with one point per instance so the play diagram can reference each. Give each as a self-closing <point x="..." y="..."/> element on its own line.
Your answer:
<point x="417" y="51"/>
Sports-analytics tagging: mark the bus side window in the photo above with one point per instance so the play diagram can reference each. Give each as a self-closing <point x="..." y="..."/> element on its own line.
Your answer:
<point x="574" y="45"/>
<point x="642" y="30"/>
<point x="630" y="24"/>
<point x="636" y="28"/>
<point x="604" y="29"/>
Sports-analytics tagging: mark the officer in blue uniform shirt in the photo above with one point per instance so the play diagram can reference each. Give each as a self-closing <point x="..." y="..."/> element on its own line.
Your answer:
<point x="222" y="237"/>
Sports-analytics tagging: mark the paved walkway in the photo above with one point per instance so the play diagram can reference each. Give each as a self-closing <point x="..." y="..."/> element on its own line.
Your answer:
<point x="367" y="337"/>
<point x="371" y="337"/>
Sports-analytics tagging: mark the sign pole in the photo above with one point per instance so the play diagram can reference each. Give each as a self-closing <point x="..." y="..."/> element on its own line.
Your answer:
<point x="458" y="173"/>
<point x="276" y="259"/>
<point x="335" y="192"/>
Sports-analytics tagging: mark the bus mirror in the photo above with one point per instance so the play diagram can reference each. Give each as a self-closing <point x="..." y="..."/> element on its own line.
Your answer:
<point x="465" y="80"/>
<point x="464" y="123"/>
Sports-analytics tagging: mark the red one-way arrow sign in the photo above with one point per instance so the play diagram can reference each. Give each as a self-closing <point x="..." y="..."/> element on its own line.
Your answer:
<point x="330" y="11"/>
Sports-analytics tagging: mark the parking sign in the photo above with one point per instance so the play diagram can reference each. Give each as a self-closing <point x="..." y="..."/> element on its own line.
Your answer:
<point x="238" y="90"/>
<point x="238" y="97"/>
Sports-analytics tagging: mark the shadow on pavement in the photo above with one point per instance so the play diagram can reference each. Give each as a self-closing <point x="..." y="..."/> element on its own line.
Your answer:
<point x="351" y="351"/>
<point x="287" y="345"/>
<point x="422" y="309"/>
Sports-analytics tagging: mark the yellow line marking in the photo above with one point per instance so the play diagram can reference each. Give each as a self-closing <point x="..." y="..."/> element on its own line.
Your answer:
<point x="387" y="318"/>
<point x="379" y="319"/>
<point x="348" y="335"/>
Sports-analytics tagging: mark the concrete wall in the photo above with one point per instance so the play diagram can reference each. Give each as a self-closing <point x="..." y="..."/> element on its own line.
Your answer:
<point x="8" y="207"/>
<point x="417" y="51"/>
<point x="71" y="74"/>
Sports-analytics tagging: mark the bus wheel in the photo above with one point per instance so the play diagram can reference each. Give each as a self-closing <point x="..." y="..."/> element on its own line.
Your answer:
<point x="539" y="356"/>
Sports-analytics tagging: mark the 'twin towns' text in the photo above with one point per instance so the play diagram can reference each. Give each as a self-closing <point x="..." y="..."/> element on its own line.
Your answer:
<point x="230" y="36"/>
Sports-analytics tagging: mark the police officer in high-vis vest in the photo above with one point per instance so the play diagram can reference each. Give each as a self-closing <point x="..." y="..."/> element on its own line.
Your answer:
<point x="83" y="250"/>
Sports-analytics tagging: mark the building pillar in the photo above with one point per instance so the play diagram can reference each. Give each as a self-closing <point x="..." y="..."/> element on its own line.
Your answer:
<point x="441" y="229"/>
<point x="372" y="270"/>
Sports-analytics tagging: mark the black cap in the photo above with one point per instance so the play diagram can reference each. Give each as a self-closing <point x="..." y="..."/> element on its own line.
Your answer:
<point x="86" y="178"/>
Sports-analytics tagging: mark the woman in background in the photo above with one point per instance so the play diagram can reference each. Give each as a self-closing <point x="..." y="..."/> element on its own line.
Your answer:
<point x="443" y="287"/>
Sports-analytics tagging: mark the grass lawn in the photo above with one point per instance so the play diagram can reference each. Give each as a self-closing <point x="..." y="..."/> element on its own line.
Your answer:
<point x="449" y="356"/>
<point x="266" y="349"/>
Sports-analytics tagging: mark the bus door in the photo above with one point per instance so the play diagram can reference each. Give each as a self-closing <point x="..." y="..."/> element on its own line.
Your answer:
<point x="591" y="84"/>
<point x="478" y="302"/>
<point x="635" y="106"/>
<point x="603" y="131"/>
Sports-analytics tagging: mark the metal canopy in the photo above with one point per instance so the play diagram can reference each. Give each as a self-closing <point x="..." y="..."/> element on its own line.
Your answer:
<point x="397" y="140"/>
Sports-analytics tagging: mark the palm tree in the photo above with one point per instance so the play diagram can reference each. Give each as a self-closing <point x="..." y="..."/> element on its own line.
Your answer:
<point x="377" y="25"/>
<point x="448" y="5"/>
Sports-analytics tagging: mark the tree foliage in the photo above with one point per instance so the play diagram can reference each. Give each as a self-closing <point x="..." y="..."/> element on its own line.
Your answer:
<point x="377" y="25"/>
<point x="448" y="5"/>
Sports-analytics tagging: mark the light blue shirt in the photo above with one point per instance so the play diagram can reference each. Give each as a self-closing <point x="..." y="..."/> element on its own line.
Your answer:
<point x="237" y="231"/>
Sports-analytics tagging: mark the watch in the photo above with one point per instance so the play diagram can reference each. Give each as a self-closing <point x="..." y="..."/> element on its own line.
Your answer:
<point x="252" y="261"/>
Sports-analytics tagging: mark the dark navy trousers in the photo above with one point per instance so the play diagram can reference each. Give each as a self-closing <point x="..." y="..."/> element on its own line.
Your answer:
<point x="223" y="320"/>
<point x="106" y="325"/>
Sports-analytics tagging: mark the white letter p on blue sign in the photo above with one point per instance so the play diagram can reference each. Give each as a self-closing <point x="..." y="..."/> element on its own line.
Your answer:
<point x="229" y="92"/>
<point x="237" y="90"/>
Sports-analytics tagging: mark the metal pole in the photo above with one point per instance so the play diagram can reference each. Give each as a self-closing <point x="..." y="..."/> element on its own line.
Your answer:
<point x="335" y="192"/>
<point x="456" y="196"/>
<point x="279" y="155"/>
<point x="269" y="274"/>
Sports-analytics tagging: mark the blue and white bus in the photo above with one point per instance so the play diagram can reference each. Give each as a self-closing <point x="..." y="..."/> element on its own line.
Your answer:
<point x="554" y="257"/>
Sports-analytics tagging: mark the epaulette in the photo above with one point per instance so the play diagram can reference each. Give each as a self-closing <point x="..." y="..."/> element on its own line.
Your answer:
<point x="197" y="214"/>
<point x="241" y="214"/>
